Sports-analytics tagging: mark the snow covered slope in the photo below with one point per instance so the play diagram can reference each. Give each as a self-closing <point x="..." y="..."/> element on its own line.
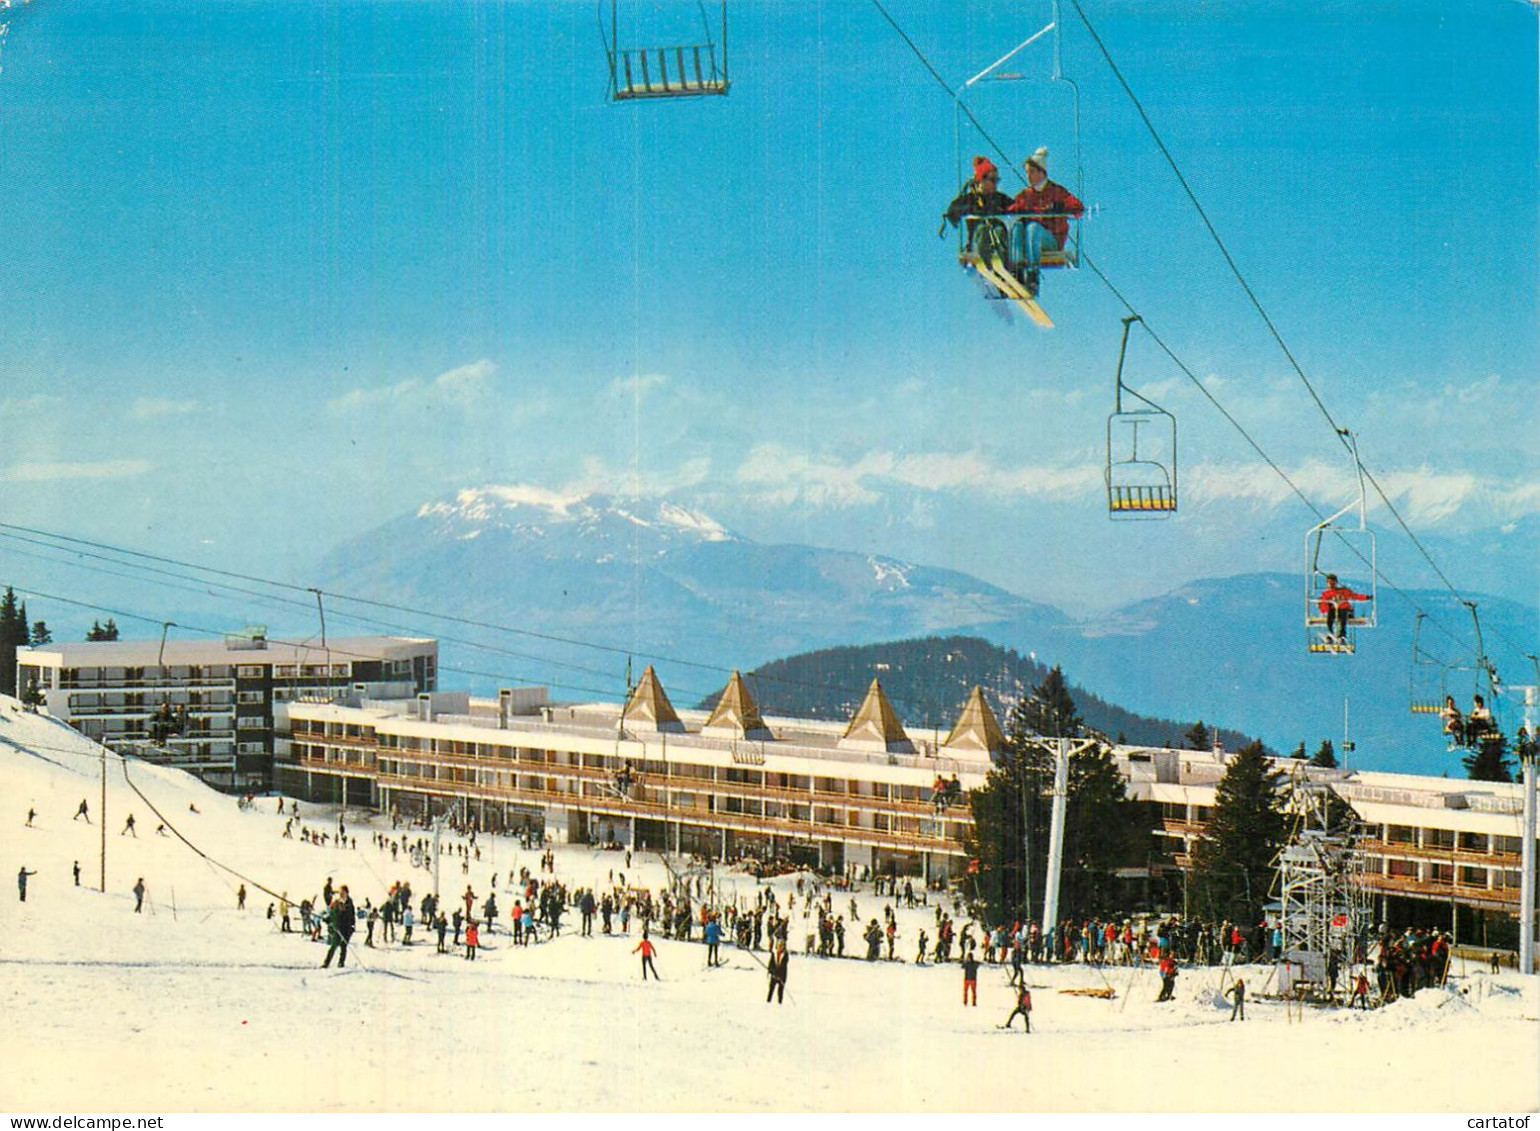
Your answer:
<point x="195" y="1006"/>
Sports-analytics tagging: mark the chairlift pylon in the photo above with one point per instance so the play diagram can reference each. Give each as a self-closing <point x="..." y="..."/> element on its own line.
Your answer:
<point x="1141" y="483"/>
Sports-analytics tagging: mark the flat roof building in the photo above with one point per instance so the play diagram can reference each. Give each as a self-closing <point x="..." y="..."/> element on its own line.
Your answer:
<point x="721" y="783"/>
<point x="729" y="781"/>
<point x="219" y="694"/>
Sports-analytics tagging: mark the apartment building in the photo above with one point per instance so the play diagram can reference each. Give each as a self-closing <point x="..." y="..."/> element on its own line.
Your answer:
<point x="221" y="694"/>
<point x="1438" y="851"/>
<point x="720" y="783"/>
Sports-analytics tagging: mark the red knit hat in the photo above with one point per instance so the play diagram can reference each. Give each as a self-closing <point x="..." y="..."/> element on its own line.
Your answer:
<point x="982" y="166"/>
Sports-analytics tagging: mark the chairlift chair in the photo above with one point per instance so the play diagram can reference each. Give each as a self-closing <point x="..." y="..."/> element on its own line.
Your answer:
<point x="673" y="71"/>
<point x="1332" y="539"/>
<point x="1429" y="678"/>
<point x="1010" y="229"/>
<point x="1140" y="483"/>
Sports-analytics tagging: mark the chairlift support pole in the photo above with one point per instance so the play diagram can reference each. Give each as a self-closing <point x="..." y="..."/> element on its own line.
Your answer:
<point x="1117" y="396"/>
<point x="1062" y="753"/>
<point x="1527" y="851"/>
<point x="1527" y="856"/>
<point x="1056" y="837"/>
<point x="1000" y="62"/>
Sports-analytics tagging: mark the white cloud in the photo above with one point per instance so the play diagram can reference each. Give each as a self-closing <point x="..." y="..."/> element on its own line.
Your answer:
<point x="43" y="472"/>
<point x="38" y="402"/>
<point x="1425" y="497"/>
<point x="464" y="387"/>
<point x="148" y="408"/>
<point x="598" y="477"/>
<point x="778" y="474"/>
<point x="637" y="385"/>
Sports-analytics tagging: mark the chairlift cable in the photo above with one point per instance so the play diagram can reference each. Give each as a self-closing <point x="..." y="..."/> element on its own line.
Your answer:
<point x="1260" y="309"/>
<point x="1208" y="395"/>
<point x="851" y="692"/>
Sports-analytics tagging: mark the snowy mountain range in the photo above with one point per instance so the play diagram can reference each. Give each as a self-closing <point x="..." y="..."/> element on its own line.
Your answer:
<point x="675" y="587"/>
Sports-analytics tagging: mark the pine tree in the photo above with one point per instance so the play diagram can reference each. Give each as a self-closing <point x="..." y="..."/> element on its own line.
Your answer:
<point x="1050" y="710"/>
<point x="13" y="634"/>
<point x="1233" y="862"/>
<point x="1012" y="816"/>
<point x="1326" y="756"/>
<point x="99" y="631"/>
<point x="1489" y="761"/>
<point x="1299" y="751"/>
<point x="1199" y="738"/>
<point x="40" y="634"/>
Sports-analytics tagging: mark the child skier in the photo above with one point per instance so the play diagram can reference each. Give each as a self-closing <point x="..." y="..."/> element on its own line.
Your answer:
<point x="1023" y="1007"/>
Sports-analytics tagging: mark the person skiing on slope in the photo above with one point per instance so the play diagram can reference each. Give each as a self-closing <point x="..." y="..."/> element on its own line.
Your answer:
<point x="970" y="966"/>
<point x="341" y="920"/>
<point x="648" y="950"/>
<point x="1238" y="992"/>
<point x="779" y="964"/>
<point x="1023" y="1007"/>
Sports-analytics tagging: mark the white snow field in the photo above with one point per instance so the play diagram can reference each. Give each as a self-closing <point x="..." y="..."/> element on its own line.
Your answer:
<point x="193" y="1006"/>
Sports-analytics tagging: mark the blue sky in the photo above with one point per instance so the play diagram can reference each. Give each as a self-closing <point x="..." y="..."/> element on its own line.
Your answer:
<point x="278" y="272"/>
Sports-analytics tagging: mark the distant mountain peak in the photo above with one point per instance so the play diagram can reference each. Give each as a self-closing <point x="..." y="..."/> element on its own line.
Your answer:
<point x="538" y="513"/>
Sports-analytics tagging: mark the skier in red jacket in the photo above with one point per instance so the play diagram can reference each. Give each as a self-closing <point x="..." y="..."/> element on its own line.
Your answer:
<point x="648" y="950"/>
<point x="1050" y="204"/>
<point x="1337" y="603"/>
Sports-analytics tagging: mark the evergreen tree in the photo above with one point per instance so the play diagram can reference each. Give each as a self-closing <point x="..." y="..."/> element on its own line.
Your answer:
<point x="1326" y="756"/>
<point x="1050" y="710"/>
<point x="1299" y="751"/>
<point x="1012" y="816"/>
<point x="1489" y="761"/>
<point x="40" y="633"/>
<point x="98" y="631"/>
<point x="13" y="634"/>
<point x="1199" y="738"/>
<point x="1234" y="861"/>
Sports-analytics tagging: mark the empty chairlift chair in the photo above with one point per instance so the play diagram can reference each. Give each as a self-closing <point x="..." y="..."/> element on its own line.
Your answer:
<point x="1141" y="452"/>
<point x="675" y="71"/>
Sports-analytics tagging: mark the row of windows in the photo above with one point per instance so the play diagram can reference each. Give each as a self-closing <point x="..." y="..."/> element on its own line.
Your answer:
<point x="1445" y="874"/>
<point x="1449" y="839"/>
<point x="152" y="674"/>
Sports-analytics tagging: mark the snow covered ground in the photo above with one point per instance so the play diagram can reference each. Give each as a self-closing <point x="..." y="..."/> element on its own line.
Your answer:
<point x="194" y="1006"/>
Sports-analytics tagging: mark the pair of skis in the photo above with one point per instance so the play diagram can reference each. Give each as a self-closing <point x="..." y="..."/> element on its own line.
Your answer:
<point x="1012" y="288"/>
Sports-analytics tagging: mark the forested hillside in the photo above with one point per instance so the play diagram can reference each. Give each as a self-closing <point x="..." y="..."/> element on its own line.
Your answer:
<point x="928" y="679"/>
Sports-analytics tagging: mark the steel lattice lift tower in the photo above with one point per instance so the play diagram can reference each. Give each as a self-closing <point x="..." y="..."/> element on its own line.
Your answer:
<point x="1325" y="906"/>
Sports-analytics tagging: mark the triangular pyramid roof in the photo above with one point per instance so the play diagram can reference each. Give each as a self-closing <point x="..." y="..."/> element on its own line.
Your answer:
<point x="976" y="729"/>
<point x="876" y="726"/>
<point x="649" y="708"/>
<point x="736" y="714"/>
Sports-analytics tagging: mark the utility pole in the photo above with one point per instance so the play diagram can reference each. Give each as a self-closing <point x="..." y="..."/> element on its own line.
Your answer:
<point x="101" y="819"/>
<point x="1527" y="851"/>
